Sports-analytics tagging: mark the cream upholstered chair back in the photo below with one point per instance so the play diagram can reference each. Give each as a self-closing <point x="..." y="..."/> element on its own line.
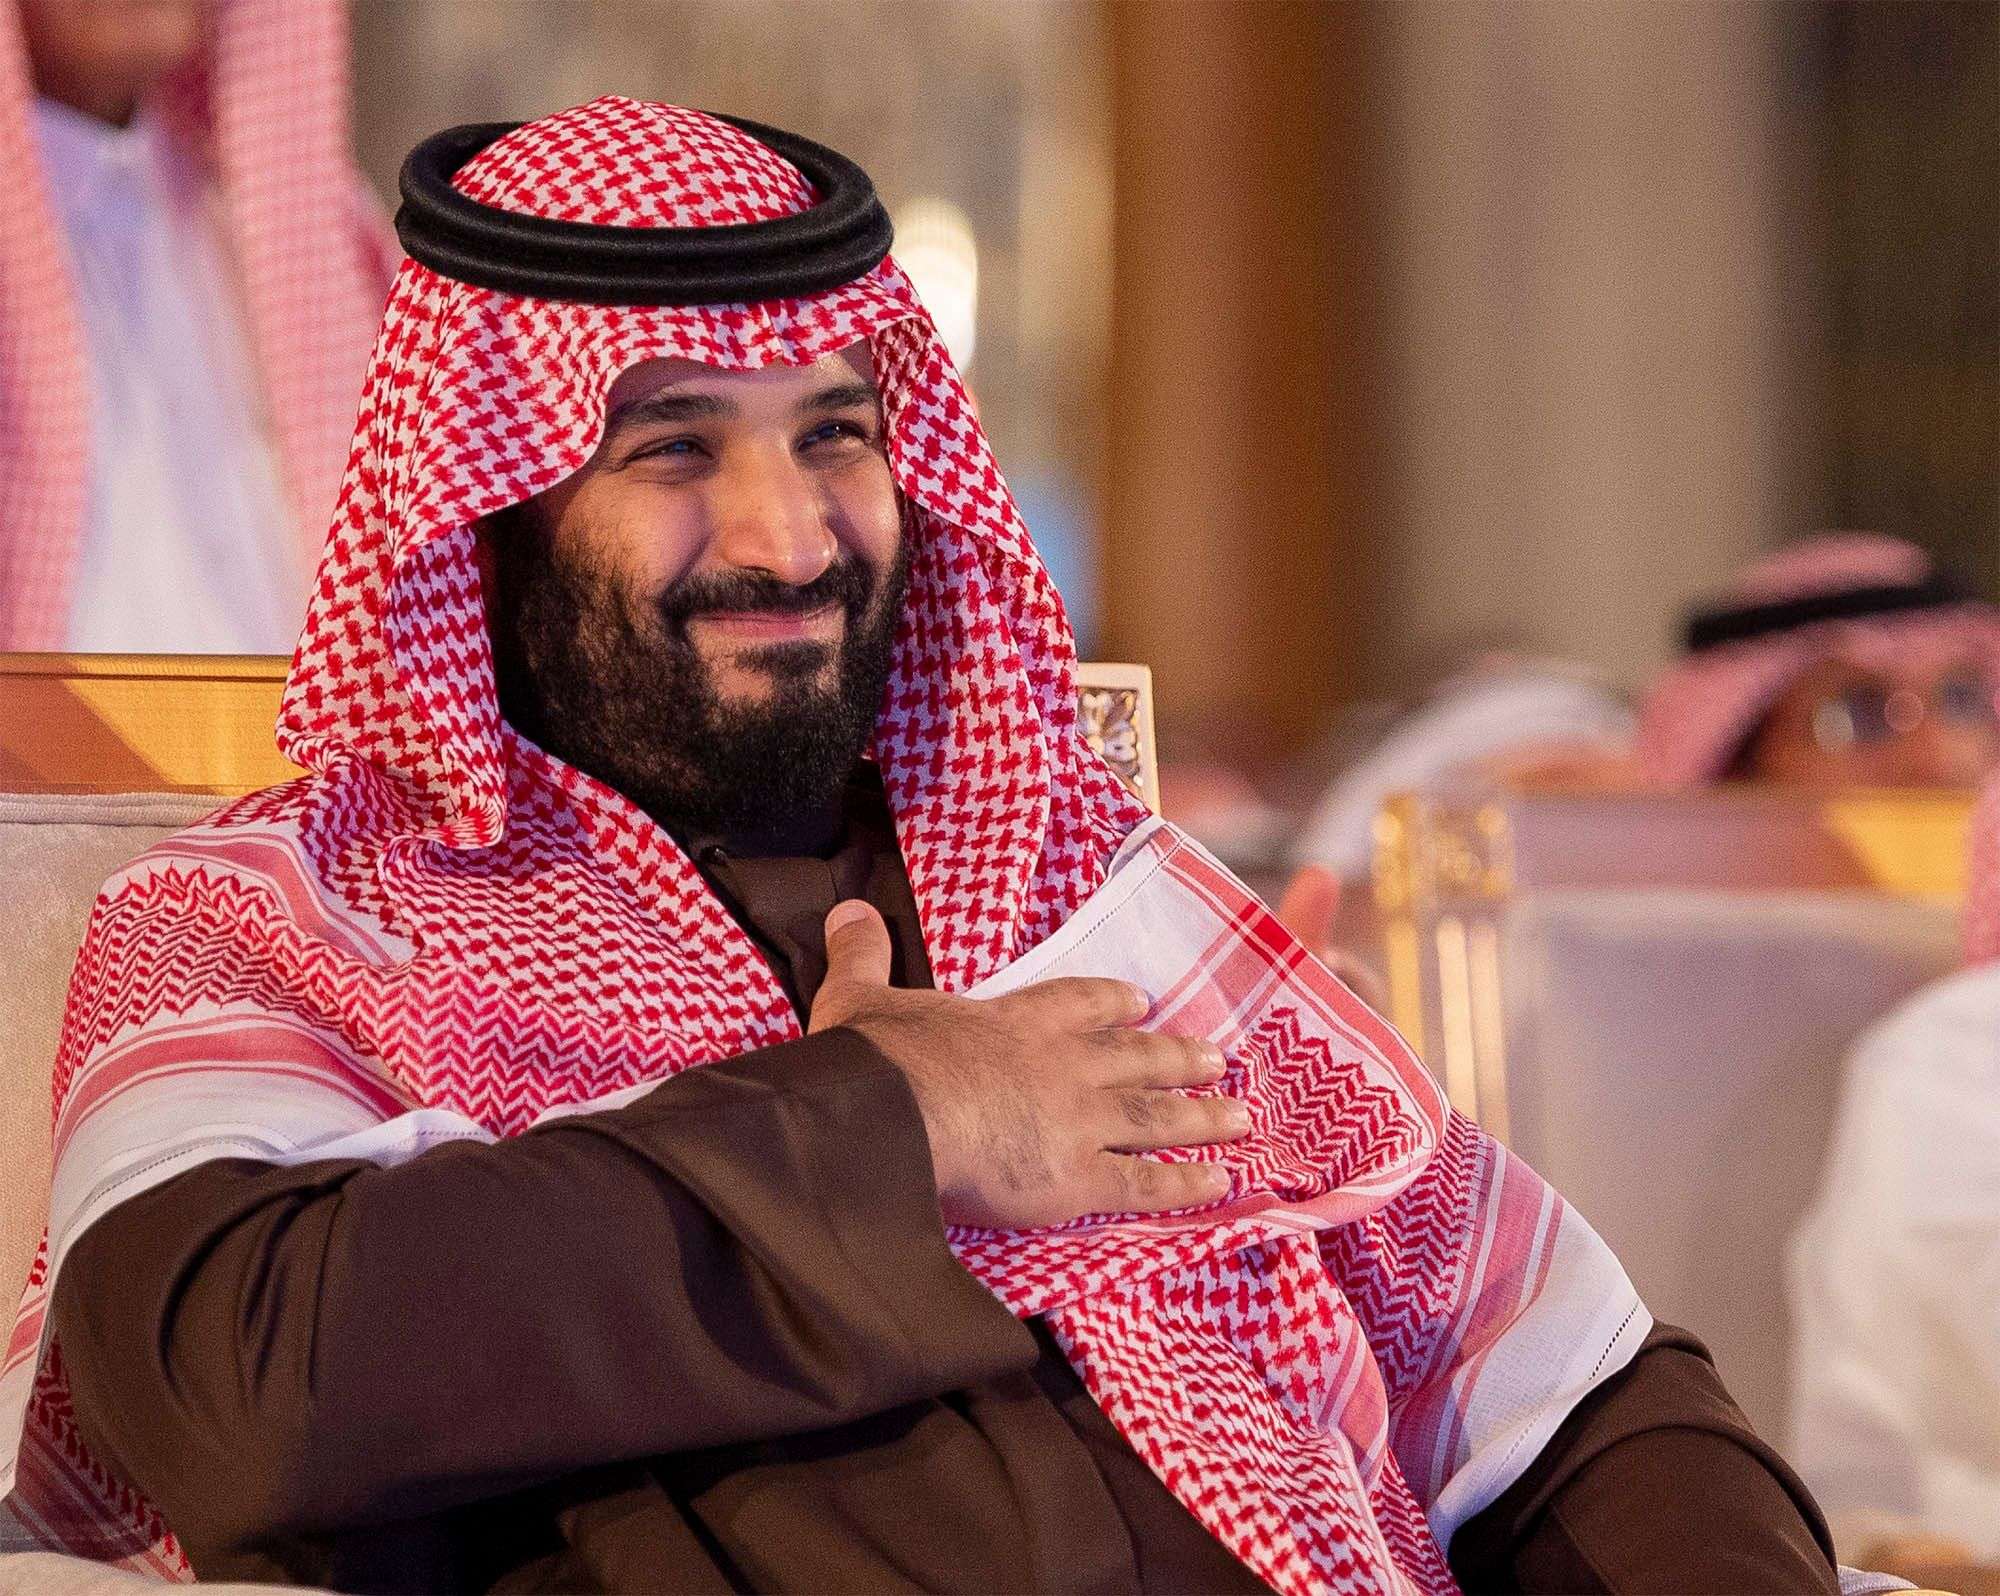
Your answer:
<point x="1649" y="997"/>
<point x="103" y="755"/>
<point x="55" y="851"/>
<point x="1452" y="863"/>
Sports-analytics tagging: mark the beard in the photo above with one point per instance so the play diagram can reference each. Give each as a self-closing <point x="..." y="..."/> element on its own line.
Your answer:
<point x="608" y="681"/>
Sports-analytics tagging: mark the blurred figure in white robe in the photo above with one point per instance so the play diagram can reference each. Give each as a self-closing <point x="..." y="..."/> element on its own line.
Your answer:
<point x="1502" y="716"/>
<point x="190" y="278"/>
<point x="1895" y="1276"/>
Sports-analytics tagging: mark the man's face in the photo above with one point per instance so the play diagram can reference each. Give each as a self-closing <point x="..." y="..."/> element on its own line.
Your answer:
<point x="102" y="56"/>
<point x="701" y="615"/>
<point x="1921" y="722"/>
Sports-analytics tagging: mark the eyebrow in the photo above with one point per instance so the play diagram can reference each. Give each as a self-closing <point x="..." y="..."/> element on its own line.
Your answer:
<point x="666" y="409"/>
<point x="844" y="396"/>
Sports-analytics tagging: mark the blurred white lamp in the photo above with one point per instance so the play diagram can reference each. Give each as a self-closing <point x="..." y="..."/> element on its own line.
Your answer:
<point x="934" y="245"/>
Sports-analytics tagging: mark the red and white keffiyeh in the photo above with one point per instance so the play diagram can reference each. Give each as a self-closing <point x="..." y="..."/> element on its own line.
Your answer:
<point x="264" y="108"/>
<point x="1702" y="708"/>
<point x="442" y="932"/>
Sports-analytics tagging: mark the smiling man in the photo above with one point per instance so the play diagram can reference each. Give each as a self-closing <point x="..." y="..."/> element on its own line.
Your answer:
<point x="710" y="1084"/>
<point x="703" y="616"/>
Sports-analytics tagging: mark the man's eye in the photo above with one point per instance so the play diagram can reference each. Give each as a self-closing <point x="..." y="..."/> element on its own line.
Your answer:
<point x="835" y="432"/>
<point x="668" y="449"/>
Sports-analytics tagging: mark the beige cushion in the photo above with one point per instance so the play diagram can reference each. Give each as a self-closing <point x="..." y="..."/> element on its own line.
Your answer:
<point x="46" y="1574"/>
<point x="1672" y="1060"/>
<point x="55" y="852"/>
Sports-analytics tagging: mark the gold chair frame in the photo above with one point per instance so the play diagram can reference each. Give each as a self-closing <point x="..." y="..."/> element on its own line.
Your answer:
<point x="1447" y="868"/>
<point x="202" y="723"/>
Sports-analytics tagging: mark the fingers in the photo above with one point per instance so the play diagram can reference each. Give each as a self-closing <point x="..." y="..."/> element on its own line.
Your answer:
<point x="1143" y="1058"/>
<point x="1144" y="1121"/>
<point x="1359" y="977"/>
<point x="857" y="961"/>
<point x="1085" y="1002"/>
<point x="1309" y="905"/>
<point x="1146" y="1186"/>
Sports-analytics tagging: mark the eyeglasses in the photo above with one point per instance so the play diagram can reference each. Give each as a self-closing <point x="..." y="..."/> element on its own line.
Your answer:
<point x="1868" y="714"/>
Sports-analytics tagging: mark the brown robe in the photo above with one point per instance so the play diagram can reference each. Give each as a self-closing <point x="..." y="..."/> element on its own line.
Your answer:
<point x="715" y="1341"/>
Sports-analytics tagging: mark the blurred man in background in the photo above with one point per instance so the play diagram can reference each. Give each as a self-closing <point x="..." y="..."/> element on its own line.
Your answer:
<point x="1895" y="1275"/>
<point x="1845" y="660"/>
<point x="190" y="278"/>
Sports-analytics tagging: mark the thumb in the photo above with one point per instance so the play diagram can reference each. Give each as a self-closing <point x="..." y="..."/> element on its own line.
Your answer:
<point x="857" y="959"/>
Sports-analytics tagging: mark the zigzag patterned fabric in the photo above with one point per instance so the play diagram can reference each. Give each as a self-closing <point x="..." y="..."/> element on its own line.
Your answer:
<point x="444" y="933"/>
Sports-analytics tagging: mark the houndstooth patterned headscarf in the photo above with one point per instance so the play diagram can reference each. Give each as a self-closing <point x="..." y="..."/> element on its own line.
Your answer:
<point x="444" y="932"/>
<point x="264" y="110"/>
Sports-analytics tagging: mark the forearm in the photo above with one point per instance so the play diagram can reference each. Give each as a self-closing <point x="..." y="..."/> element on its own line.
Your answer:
<point x="752" y="1250"/>
<point x="1656" y="1483"/>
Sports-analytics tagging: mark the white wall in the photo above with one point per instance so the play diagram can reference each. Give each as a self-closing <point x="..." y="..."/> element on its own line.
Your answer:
<point x="1595" y="321"/>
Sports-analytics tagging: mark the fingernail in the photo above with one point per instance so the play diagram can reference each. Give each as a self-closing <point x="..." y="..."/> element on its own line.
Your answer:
<point x="1218" y="1178"/>
<point x="845" y="913"/>
<point x="1238" y="1115"/>
<point x="1218" y="1061"/>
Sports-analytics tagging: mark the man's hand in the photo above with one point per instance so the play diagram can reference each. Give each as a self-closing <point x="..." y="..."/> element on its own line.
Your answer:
<point x="1308" y="909"/>
<point x="1037" y="1104"/>
<point x="1308" y="906"/>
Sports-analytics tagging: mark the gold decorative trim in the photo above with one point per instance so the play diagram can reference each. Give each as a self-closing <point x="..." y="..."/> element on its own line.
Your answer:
<point x="1115" y="714"/>
<point x="1447" y="867"/>
<point x="152" y="667"/>
<point x="107" y="723"/>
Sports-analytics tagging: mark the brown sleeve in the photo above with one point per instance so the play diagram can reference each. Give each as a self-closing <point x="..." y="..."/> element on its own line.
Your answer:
<point x="751" y="1250"/>
<point x="1656" y="1483"/>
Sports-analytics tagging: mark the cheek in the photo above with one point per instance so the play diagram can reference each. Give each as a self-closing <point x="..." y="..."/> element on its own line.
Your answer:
<point x="1972" y="749"/>
<point x="869" y="517"/>
<point x="647" y="537"/>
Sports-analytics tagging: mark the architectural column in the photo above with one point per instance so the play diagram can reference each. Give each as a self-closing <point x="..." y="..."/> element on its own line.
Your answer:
<point x="1241" y="440"/>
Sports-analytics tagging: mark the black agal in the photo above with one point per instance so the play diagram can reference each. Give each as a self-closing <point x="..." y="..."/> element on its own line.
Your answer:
<point x="1713" y="628"/>
<point x="845" y="235"/>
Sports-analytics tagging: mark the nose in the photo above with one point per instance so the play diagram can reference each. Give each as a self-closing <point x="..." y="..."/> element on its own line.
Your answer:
<point x="770" y="517"/>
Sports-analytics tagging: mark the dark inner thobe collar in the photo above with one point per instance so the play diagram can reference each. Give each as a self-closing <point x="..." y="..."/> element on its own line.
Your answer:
<point x="782" y="900"/>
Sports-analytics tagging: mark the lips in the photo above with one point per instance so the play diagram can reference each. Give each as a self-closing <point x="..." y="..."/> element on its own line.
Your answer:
<point x="771" y="626"/>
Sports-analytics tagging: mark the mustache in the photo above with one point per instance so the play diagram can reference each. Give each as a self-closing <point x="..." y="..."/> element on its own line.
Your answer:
<point x="847" y="582"/>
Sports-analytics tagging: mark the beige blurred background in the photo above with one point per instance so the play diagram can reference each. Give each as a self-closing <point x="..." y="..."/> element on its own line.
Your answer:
<point x="1327" y="339"/>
